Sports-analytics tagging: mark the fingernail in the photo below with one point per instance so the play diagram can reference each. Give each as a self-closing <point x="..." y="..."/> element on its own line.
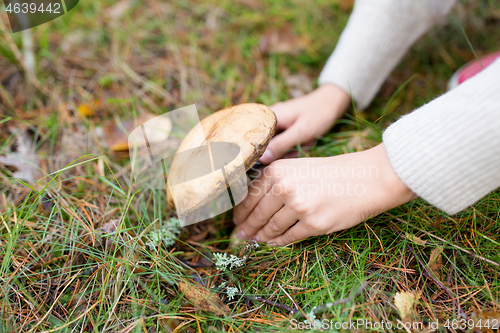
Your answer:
<point x="241" y="234"/>
<point x="267" y="156"/>
<point x="272" y="244"/>
<point x="255" y="238"/>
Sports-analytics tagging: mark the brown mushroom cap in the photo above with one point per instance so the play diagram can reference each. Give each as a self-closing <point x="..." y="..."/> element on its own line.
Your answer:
<point x="247" y="126"/>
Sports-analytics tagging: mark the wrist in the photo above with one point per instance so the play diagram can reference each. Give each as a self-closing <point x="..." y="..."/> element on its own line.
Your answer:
<point x="393" y="191"/>
<point x="334" y="97"/>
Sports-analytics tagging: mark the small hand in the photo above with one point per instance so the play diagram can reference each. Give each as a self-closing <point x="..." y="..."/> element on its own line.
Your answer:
<point x="298" y="198"/>
<point x="305" y="118"/>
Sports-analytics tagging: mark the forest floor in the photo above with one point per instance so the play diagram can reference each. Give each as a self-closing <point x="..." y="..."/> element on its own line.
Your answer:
<point x="73" y="225"/>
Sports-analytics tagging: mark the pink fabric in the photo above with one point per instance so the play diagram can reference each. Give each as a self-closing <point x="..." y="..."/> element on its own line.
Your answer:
<point x="475" y="67"/>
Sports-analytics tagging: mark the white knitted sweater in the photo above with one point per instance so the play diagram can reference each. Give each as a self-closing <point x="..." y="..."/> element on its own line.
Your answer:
<point x="447" y="151"/>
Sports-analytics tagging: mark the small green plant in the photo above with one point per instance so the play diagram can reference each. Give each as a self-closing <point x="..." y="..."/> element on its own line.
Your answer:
<point x="230" y="291"/>
<point x="223" y="261"/>
<point x="167" y="233"/>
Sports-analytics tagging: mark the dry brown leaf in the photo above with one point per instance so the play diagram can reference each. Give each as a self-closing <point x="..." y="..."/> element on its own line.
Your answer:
<point x="405" y="303"/>
<point x="298" y="85"/>
<point x="436" y="262"/>
<point x="361" y="140"/>
<point x="203" y="298"/>
<point x="415" y="239"/>
<point x="346" y="5"/>
<point x="171" y="325"/>
<point x="486" y="321"/>
<point x="117" y="134"/>
<point x="22" y="156"/>
<point x="282" y="40"/>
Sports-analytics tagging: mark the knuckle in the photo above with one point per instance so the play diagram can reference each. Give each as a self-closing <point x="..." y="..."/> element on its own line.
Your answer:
<point x="273" y="226"/>
<point x="284" y="186"/>
<point x="257" y="215"/>
<point x="288" y="238"/>
<point x="246" y="203"/>
<point x="270" y="170"/>
<point x="300" y="205"/>
<point x="314" y="225"/>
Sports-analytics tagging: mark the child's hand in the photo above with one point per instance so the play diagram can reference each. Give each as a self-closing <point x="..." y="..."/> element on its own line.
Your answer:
<point x="298" y="198"/>
<point x="305" y="118"/>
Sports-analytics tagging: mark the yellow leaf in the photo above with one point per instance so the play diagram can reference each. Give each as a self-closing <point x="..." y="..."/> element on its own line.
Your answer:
<point x="405" y="303"/>
<point x="84" y="110"/>
<point x="415" y="239"/>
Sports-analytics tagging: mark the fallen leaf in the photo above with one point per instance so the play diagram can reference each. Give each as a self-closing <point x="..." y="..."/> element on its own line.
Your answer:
<point x="436" y="262"/>
<point x="298" y="85"/>
<point x="171" y="325"/>
<point x="415" y="239"/>
<point x="360" y="141"/>
<point x="22" y="156"/>
<point x="84" y="110"/>
<point x="117" y="10"/>
<point x="282" y="40"/>
<point x="203" y="298"/>
<point x="118" y="135"/>
<point x="486" y="321"/>
<point x="405" y="303"/>
<point x="74" y="141"/>
<point x="88" y="109"/>
<point x="346" y="5"/>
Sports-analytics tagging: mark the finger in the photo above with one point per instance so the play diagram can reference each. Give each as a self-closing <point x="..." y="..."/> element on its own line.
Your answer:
<point x="257" y="189"/>
<point x="297" y="232"/>
<point x="268" y="206"/>
<point x="284" y="115"/>
<point x="278" y="224"/>
<point x="282" y="143"/>
<point x="305" y="148"/>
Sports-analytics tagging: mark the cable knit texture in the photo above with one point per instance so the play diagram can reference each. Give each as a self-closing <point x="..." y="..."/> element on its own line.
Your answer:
<point x="378" y="34"/>
<point x="448" y="151"/>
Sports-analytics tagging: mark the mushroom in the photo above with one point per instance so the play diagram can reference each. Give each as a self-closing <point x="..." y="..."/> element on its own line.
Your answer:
<point x="215" y="155"/>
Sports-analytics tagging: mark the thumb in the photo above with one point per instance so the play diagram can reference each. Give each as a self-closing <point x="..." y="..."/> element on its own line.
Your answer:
<point x="282" y="143"/>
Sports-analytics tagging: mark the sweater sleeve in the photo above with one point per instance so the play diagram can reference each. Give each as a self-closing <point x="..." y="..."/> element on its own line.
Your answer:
<point x="377" y="35"/>
<point x="448" y="151"/>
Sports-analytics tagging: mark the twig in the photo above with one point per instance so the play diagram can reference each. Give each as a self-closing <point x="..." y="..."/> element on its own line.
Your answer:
<point x="453" y="245"/>
<point x="429" y="274"/>
<point x="288" y="295"/>
<point x="197" y="265"/>
<point x="269" y="302"/>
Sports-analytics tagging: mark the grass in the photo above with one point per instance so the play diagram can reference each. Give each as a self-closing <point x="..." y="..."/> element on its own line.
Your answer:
<point x="72" y="245"/>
